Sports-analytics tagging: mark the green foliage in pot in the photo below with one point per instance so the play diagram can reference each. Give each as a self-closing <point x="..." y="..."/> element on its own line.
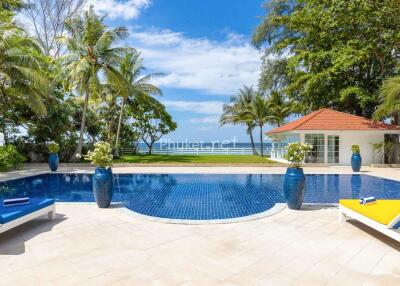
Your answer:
<point x="10" y="158"/>
<point x="296" y="152"/>
<point x="355" y="149"/>
<point x="53" y="147"/>
<point x="101" y="155"/>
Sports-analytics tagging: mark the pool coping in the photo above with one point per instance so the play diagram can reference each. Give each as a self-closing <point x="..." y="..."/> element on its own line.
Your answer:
<point x="277" y="208"/>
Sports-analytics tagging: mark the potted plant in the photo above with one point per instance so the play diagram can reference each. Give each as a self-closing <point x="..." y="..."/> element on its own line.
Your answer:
<point x="53" y="148"/>
<point x="356" y="159"/>
<point x="103" y="178"/>
<point x="294" y="182"/>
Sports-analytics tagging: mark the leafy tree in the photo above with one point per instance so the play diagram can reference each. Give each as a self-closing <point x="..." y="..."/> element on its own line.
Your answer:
<point x="92" y="50"/>
<point x="8" y="8"/>
<point x="137" y="87"/>
<point x="234" y="113"/>
<point x="259" y="113"/>
<point x="151" y="121"/>
<point x="338" y="52"/>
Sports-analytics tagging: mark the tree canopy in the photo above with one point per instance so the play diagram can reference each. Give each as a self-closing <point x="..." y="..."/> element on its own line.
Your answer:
<point x="337" y="52"/>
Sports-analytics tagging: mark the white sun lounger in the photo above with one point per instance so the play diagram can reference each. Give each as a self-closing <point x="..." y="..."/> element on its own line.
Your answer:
<point x="13" y="216"/>
<point x="391" y="229"/>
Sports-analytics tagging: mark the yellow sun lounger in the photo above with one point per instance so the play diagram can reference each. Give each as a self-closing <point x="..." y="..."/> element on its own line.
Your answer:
<point x="383" y="216"/>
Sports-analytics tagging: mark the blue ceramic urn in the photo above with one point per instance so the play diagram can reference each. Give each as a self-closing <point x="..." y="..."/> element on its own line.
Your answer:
<point x="356" y="162"/>
<point x="293" y="187"/>
<point x="53" y="162"/>
<point x="103" y="186"/>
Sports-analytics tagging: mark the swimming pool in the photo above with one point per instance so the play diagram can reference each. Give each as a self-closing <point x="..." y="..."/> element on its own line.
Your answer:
<point x="199" y="196"/>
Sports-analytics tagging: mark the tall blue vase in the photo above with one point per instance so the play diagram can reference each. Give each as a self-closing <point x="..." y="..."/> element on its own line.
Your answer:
<point x="103" y="186"/>
<point x="293" y="187"/>
<point x="53" y="161"/>
<point x="356" y="161"/>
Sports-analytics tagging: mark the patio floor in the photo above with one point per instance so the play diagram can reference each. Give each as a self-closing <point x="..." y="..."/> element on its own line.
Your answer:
<point x="90" y="246"/>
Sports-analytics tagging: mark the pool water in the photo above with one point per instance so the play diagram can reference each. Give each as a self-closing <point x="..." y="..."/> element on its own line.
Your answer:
<point x="197" y="196"/>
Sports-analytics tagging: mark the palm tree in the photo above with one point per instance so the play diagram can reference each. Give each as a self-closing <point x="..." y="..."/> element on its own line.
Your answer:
<point x="234" y="113"/>
<point x="21" y="76"/>
<point x="280" y="108"/>
<point x="390" y="106"/>
<point x="91" y="51"/>
<point x="137" y="86"/>
<point x="390" y="98"/>
<point x="259" y="113"/>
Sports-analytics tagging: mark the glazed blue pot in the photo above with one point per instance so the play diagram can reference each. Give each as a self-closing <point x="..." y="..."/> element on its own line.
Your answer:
<point x="103" y="186"/>
<point x="293" y="187"/>
<point x="356" y="162"/>
<point x="53" y="162"/>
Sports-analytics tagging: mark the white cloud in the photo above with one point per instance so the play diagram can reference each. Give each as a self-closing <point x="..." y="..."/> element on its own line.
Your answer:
<point x="199" y="107"/>
<point x="203" y="120"/>
<point x="216" y="67"/>
<point x="127" y="9"/>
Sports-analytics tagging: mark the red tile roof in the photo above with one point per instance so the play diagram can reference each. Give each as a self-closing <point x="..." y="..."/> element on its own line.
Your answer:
<point x="328" y="119"/>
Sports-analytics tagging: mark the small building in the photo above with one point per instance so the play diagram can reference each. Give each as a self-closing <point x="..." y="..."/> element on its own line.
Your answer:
<point x="331" y="134"/>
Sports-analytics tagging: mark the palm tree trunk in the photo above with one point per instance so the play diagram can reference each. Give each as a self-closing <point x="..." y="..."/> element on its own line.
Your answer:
<point x="396" y="147"/>
<point x="119" y="128"/>
<point x="109" y="131"/>
<point x="83" y="121"/>
<point x="253" y="146"/>
<point x="261" y="141"/>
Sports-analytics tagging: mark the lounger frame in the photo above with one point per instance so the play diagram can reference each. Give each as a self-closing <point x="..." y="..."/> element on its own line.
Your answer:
<point x="49" y="210"/>
<point x="346" y="213"/>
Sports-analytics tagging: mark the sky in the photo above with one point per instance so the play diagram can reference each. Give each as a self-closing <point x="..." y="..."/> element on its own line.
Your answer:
<point x="203" y="49"/>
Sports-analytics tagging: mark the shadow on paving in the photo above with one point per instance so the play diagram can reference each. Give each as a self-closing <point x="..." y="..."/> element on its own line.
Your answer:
<point x="375" y="234"/>
<point x="12" y="242"/>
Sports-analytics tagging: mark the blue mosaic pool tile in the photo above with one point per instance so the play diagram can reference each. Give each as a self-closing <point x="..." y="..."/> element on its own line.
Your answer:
<point x="197" y="196"/>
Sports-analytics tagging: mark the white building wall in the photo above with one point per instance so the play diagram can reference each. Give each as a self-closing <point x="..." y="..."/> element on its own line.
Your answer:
<point x="364" y="139"/>
<point x="1" y="139"/>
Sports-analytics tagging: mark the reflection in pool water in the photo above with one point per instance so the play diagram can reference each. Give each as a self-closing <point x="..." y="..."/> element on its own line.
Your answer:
<point x="200" y="196"/>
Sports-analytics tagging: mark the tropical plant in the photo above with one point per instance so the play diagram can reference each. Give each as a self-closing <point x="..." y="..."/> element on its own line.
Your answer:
<point x="91" y="50"/>
<point x="296" y="153"/>
<point x="10" y="158"/>
<point x="234" y="112"/>
<point x="22" y="80"/>
<point x="101" y="155"/>
<point x="137" y="87"/>
<point x="390" y="100"/>
<point x="259" y="113"/>
<point x="355" y="149"/>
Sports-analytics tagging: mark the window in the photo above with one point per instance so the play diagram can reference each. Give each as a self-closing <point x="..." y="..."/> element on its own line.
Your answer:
<point x="317" y="154"/>
<point x="333" y="149"/>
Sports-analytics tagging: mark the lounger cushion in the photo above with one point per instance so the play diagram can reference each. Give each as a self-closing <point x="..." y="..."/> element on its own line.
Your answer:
<point x="8" y="214"/>
<point x="383" y="211"/>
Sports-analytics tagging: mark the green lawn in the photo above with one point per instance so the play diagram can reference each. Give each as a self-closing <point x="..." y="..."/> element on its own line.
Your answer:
<point x="202" y="159"/>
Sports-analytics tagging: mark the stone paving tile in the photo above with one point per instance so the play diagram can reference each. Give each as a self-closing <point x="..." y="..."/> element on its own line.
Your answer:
<point x="280" y="250"/>
<point x="90" y="246"/>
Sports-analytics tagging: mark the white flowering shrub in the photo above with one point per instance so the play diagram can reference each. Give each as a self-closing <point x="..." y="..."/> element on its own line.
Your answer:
<point x="101" y="155"/>
<point x="296" y="152"/>
<point x="53" y="147"/>
<point x="355" y="149"/>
